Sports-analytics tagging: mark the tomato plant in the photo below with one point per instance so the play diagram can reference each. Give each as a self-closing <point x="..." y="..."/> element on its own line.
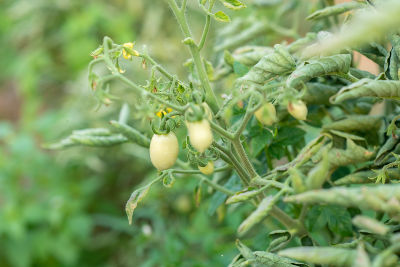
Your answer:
<point x="322" y="182"/>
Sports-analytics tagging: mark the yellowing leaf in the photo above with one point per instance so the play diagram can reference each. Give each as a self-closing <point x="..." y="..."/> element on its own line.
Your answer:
<point x="221" y="16"/>
<point x="233" y="4"/>
<point x="135" y="198"/>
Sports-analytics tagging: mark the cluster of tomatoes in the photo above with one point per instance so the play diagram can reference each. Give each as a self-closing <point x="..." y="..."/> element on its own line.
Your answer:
<point x="164" y="148"/>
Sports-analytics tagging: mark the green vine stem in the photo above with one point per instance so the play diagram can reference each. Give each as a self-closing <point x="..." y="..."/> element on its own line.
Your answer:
<point x="206" y="27"/>
<point x="195" y="52"/>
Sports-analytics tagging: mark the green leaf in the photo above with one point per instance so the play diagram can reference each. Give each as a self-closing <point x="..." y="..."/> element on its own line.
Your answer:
<point x="98" y="141"/>
<point x="370" y="225"/>
<point x="260" y="138"/>
<point x="388" y="147"/>
<point x="321" y="255"/>
<point x="381" y="20"/>
<point x="361" y="177"/>
<point x="262" y="258"/>
<point x="392" y="63"/>
<point x="319" y="174"/>
<point x="319" y="67"/>
<point x="243" y="195"/>
<point x="250" y="55"/>
<point x="219" y="198"/>
<point x="209" y="69"/>
<point x="289" y="135"/>
<point x="355" y="123"/>
<point x="168" y="180"/>
<point x="278" y="63"/>
<point x="221" y="16"/>
<point x="351" y="155"/>
<point x="302" y="42"/>
<point x="319" y="93"/>
<point x="246" y="252"/>
<point x="362" y="259"/>
<point x="339" y="220"/>
<point x="131" y="133"/>
<point x="272" y="260"/>
<point x="375" y="52"/>
<point x="297" y="178"/>
<point x="279" y="238"/>
<point x="336" y="218"/>
<point x="379" y="198"/>
<point x="368" y="88"/>
<point x="240" y="69"/>
<point x="233" y="4"/>
<point x="256" y="216"/>
<point x="335" y="10"/>
<point x="136" y="197"/>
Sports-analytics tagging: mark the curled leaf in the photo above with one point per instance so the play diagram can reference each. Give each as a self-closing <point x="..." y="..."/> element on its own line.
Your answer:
<point x="302" y="42"/>
<point x="391" y="145"/>
<point x="297" y="178"/>
<point x="250" y="55"/>
<point x="279" y="239"/>
<point x="355" y="123"/>
<point x="319" y="174"/>
<point x="134" y="199"/>
<point x="361" y="177"/>
<point x="98" y="141"/>
<point x="272" y="260"/>
<point x="256" y="216"/>
<point x="278" y="63"/>
<point x="361" y="259"/>
<point x="131" y="133"/>
<point x="381" y="19"/>
<point x="379" y="198"/>
<point x="368" y="88"/>
<point x="335" y="10"/>
<point x="370" y="225"/>
<point x="319" y="67"/>
<point x="351" y="155"/>
<point x="321" y="255"/>
<point x="243" y="195"/>
<point x="244" y="250"/>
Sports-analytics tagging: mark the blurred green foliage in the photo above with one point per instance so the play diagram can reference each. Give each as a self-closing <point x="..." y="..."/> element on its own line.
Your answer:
<point x="66" y="209"/>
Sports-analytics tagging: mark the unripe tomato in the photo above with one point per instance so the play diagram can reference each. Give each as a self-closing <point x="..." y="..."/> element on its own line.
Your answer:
<point x="200" y="134"/>
<point x="208" y="169"/>
<point x="266" y="114"/>
<point x="164" y="150"/>
<point x="298" y="110"/>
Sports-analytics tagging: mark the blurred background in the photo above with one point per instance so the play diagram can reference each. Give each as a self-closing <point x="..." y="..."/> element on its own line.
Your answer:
<point x="66" y="208"/>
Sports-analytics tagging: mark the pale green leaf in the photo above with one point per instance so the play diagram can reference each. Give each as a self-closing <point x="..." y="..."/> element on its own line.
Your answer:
<point x="221" y="16"/>
<point x="321" y="255"/>
<point x="335" y="10"/>
<point x="319" y="67"/>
